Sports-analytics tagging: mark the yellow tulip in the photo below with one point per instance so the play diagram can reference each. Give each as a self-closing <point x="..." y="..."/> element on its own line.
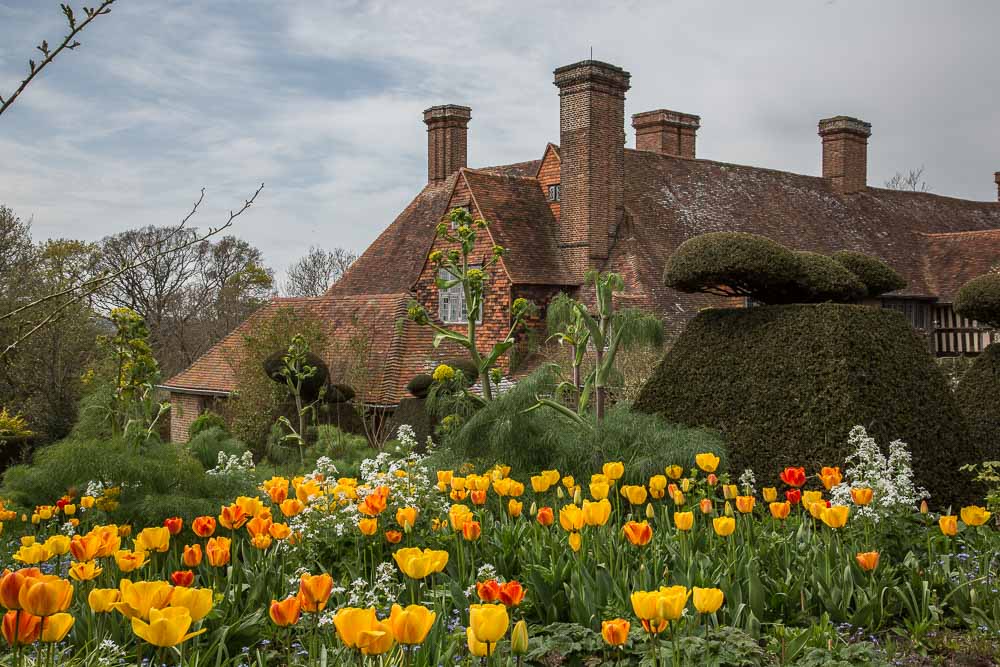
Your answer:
<point x="683" y="520"/>
<point x="86" y="502"/>
<point x="770" y="494"/>
<point x="368" y="526"/>
<point x="418" y="563"/>
<point x="551" y="475"/>
<point x="948" y="524"/>
<point x="519" y="638"/>
<point x="636" y="495"/>
<point x="84" y="571"/>
<point x="45" y="595"/>
<point x="657" y="486"/>
<point x="597" y="513"/>
<point x="810" y="497"/>
<point x="489" y="622"/>
<point x="139" y="598"/>
<point x="615" y="631"/>
<point x="376" y="640"/>
<point x="724" y="525"/>
<point x="458" y="515"/>
<point x="57" y="545"/>
<point x="166" y="627"/>
<point x="973" y="515"/>
<point x="32" y="554"/>
<point x="130" y="560"/>
<point x="350" y="622"/>
<point x="599" y="490"/>
<point x="613" y="470"/>
<point x="671" y="601"/>
<point x="198" y="601"/>
<point x="476" y="648"/>
<point x="56" y="627"/>
<point x="780" y="510"/>
<point x="406" y="517"/>
<point x="514" y="508"/>
<point x="708" y="462"/>
<point x="103" y="600"/>
<point x="575" y="541"/>
<point x="540" y="483"/>
<point x="571" y="518"/>
<point x="153" y="539"/>
<point x="835" y="516"/>
<point x="707" y="600"/>
<point x="674" y="472"/>
<point x="411" y="625"/>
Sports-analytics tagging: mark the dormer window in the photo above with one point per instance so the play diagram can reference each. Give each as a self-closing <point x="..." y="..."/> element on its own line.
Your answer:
<point x="451" y="302"/>
<point x="555" y="192"/>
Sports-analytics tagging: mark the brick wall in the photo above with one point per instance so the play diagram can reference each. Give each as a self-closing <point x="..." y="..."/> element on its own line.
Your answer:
<point x="548" y="174"/>
<point x="184" y="409"/>
<point x="845" y="153"/>
<point x="666" y="132"/>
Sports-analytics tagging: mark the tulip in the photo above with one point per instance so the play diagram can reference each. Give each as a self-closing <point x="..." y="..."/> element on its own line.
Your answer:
<point x="406" y="517"/>
<point x="489" y="622"/>
<point x="314" y="591"/>
<point x="707" y="600"/>
<point x="251" y="505"/>
<point x="511" y="594"/>
<point x="350" y="622"/>
<point x="723" y="525"/>
<point x="45" y="595"/>
<point x="444" y="478"/>
<point x="182" y="578"/>
<point x="21" y="629"/>
<point x="830" y="477"/>
<point x="166" y="627"/>
<point x="471" y="530"/>
<point x="192" y="555"/>
<point x="545" y="516"/>
<point x="286" y="612"/>
<point x="458" y="515"/>
<point x="780" y="510"/>
<point x="57" y="545"/>
<point x="418" y="563"/>
<point x="393" y="536"/>
<point x="153" y="539"/>
<point x="174" y="524"/>
<point x="488" y="591"/>
<point x="292" y="507"/>
<point x="949" y="525"/>
<point x="686" y="484"/>
<point x="571" y="518"/>
<point x="613" y="470"/>
<point x="86" y="502"/>
<point x="198" y="601"/>
<point x="599" y="490"/>
<point x="84" y="571"/>
<point x="639" y="534"/>
<point x="861" y="495"/>
<point x="707" y="461"/>
<point x="217" y="551"/>
<point x="836" y="516"/>
<point x="32" y="554"/>
<point x="575" y="541"/>
<point x="259" y="525"/>
<point x="770" y="494"/>
<point x="279" y="531"/>
<point x="411" y="625"/>
<point x="476" y="648"/>
<point x="232" y="517"/>
<point x="368" y="526"/>
<point x="657" y="486"/>
<point x="519" y="638"/>
<point x="514" y="508"/>
<point x="615" y="632"/>
<point x="128" y="561"/>
<point x="974" y="515"/>
<point x="793" y="476"/>
<point x="816" y="508"/>
<point x="674" y="471"/>
<point x="84" y="547"/>
<point x="139" y="598"/>
<point x="683" y="520"/>
<point x="745" y="504"/>
<point x="478" y="497"/>
<point x="110" y="538"/>
<point x="810" y="497"/>
<point x="793" y="496"/>
<point x="56" y="627"/>
<point x="730" y="491"/>
<point x="923" y="506"/>
<point x="596" y="513"/>
<point x="671" y="602"/>
<point x="103" y="600"/>
<point x="551" y="475"/>
<point x="868" y="560"/>
<point x="636" y="495"/>
<point x="540" y="484"/>
<point x="705" y="505"/>
<point x="11" y="584"/>
<point x="712" y="479"/>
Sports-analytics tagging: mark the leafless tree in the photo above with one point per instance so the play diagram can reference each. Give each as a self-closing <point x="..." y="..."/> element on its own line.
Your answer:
<point x="315" y="272"/>
<point x="911" y="181"/>
<point x="49" y="54"/>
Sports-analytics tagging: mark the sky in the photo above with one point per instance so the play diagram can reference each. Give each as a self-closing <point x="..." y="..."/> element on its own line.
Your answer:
<point x="321" y="100"/>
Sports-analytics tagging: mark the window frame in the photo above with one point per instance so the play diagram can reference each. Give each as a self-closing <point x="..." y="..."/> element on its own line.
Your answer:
<point x="557" y="189"/>
<point x="459" y="292"/>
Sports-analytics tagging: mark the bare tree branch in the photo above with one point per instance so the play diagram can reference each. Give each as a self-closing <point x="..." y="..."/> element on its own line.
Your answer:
<point x="69" y="42"/>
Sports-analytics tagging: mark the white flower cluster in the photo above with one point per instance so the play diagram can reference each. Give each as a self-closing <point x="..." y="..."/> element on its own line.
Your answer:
<point x="94" y="489"/>
<point x="382" y="591"/>
<point x="109" y="653"/>
<point x="233" y="465"/>
<point x="748" y="482"/>
<point x="890" y="478"/>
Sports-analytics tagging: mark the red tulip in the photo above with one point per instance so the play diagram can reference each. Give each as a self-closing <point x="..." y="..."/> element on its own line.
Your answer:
<point x="793" y="496"/>
<point x="793" y="476"/>
<point x="182" y="578"/>
<point x="174" y="524"/>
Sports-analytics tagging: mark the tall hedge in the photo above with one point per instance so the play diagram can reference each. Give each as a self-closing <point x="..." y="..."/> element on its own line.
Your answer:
<point x="979" y="299"/>
<point x="785" y="384"/>
<point x="978" y="396"/>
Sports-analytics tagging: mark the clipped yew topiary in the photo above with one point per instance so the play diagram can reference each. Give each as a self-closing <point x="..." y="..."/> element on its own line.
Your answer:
<point x="979" y="299"/>
<point x="824" y="279"/>
<point x="978" y="395"/>
<point x="785" y="384"/>
<point x="877" y="276"/>
<point x="420" y="385"/>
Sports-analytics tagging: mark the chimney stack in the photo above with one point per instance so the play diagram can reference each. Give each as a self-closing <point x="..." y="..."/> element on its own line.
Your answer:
<point x="666" y="132"/>
<point x="845" y="153"/>
<point x="996" y="178"/>
<point x="592" y="157"/>
<point x="447" y="140"/>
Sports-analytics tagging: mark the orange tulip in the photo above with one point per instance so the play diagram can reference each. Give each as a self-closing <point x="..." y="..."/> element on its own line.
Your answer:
<point x="639" y="534"/>
<point x="182" y="578"/>
<point x="478" y="497"/>
<point x="868" y="560"/>
<point x="85" y="547"/>
<point x="948" y="525"/>
<point x="780" y="510"/>
<point x="11" y="584"/>
<point x="174" y="524"/>
<point x="830" y="477"/>
<point x="314" y="591"/>
<point x="745" y="504"/>
<point x="511" y="593"/>
<point x="292" y="507"/>
<point x="286" y="612"/>
<point x="861" y="495"/>
<point x="546" y="516"/>
<point x="45" y="595"/>
<point x="279" y="531"/>
<point x="471" y="530"/>
<point x="233" y="517"/>
<point x="793" y="476"/>
<point x="393" y="536"/>
<point x="488" y="591"/>
<point x="615" y="632"/>
<point x="192" y="555"/>
<point x="372" y="505"/>
<point x="218" y="551"/>
<point x="705" y="505"/>
<point x="203" y="526"/>
<point x="21" y="628"/>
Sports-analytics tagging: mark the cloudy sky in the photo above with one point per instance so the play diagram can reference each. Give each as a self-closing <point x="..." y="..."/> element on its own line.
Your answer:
<point x="321" y="100"/>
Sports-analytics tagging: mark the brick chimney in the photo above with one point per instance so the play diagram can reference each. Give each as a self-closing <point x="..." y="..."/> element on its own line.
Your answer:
<point x="592" y="157"/>
<point x="845" y="152"/>
<point x="447" y="140"/>
<point x="666" y="132"/>
<point x="996" y="178"/>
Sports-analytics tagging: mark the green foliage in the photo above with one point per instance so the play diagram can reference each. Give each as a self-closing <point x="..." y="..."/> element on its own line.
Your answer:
<point x="824" y="279"/>
<point x="978" y="396"/>
<point x="205" y="421"/>
<point x="134" y="412"/>
<point x="13" y="426"/>
<point x="877" y="276"/>
<point x="735" y="264"/>
<point x="645" y="443"/>
<point x="979" y="299"/>
<point x="415" y="412"/>
<point x="296" y="370"/>
<point x="207" y="443"/>
<point x="420" y="385"/>
<point x="346" y="450"/>
<point x="785" y="384"/>
<point x="158" y="480"/>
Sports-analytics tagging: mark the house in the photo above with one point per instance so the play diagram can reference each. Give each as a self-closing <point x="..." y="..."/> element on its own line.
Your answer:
<point x="589" y="201"/>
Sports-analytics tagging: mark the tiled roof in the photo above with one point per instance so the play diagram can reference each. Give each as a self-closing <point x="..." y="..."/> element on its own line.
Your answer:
<point x="951" y="260"/>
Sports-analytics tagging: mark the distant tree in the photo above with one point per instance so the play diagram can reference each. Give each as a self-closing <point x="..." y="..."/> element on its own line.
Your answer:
<point x="911" y="181"/>
<point x="317" y="270"/>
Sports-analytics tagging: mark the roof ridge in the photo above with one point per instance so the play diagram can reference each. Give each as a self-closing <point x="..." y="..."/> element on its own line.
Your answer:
<point x="482" y="172"/>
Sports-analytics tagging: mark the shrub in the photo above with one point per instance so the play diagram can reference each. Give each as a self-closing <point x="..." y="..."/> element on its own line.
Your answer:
<point x="877" y="276"/>
<point x="785" y="385"/>
<point x="339" y="393"/>
<point x="206" y="445"/>
<point x="979" y="299"/>
<point x="735" y="264"/>
<point x="468" y="369"/>
<point x="978" y="396"/>
<point x="420" y="385"/>
<point x="311" y="386"/>
<point x="205" y="421"/>
<point x="824" y="279"/>
<point x="502" y="432"/>
<point x="414" y="412"/>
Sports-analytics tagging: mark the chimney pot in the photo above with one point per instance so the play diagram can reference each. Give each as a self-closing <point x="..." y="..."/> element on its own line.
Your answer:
<point x="996" y="178"/>
<point x="447" y="140"/>
<point x="666" y="132"/>
<point x="845" y="153"/>
<point x="592" y="158"/>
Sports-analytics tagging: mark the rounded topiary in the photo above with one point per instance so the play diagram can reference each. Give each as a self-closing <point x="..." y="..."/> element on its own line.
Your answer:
<point x="339" y="393"/>
<point x="877" y="276"/>
<point x="205" y="421"/>
<point x="469" y="370"/>
<point x="824" y="279"/>
<point x="735" y="264"/>
<point x="785" y="385"/>
<point x="979" y="299"/>
<point x="310" y="387"/>
<point x="978" y="395"/>
<point x="420" y="385"/>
